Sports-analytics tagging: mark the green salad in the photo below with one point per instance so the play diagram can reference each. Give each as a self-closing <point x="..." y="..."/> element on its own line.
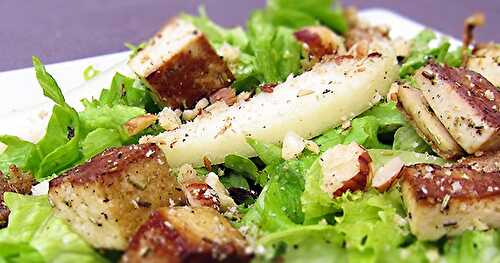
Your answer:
<point x="281" y="204"/>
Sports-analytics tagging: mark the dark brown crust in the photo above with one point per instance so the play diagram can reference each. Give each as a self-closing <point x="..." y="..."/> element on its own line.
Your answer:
<point x="157" y="240"/>
<point x="472" y="87"/>
<point x="431" y="183"/>
<point x="109" y="164"/>
<point x="17" y="182"/>
<point x="313" y="40"/>
<point x="190" y="75"/>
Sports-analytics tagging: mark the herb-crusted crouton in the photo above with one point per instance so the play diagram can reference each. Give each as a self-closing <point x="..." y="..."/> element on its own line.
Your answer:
<point x="465" y="102"/>
<point x="181" y="66"/>
<point x="184" y="234"/>
<point x="109" y="197"/>
<point x="450" y="200"/>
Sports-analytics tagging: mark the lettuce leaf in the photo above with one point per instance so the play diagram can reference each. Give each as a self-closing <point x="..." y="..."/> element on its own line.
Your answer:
<point x="315" y="243"/>
<point x="99" y="140"/>
<point x="474" y="246"/>
<point x="278" y="206"/>
<point x="35" y="233"/>
<point x="310" y="12"/>
<point x="407" y="139"/>
<point x="421" y="51"/>
<point x="21" y="153"/>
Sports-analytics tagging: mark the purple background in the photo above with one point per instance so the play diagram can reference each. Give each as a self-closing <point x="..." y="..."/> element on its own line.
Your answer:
<point x="60" y="30"/>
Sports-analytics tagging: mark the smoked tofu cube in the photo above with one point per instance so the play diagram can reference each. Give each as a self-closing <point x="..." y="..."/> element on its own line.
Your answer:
<point x="417" y="111"/>
<point x="465" y="102"/>
<point x="450" y="200"/>
<point x="485" y="60"/>
<point x="185" y="234"/>
<point x="180" y="65"/>
<point x="106" y="199"/>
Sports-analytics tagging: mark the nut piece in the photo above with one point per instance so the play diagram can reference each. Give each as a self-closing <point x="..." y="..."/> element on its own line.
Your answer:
<point x="168" y="119"/>
<point x="227" y="95"/>
<point x="417" y="111"/>
<point x="448" y="201"/>
<point x="227" y="203"/>
<point x="106" y="199"/>
<point x="465" y="102"/>
<point x="201" y="194"/>
<point x="138" y="124"/>
<point x="387" y="175"/>
<point x="180" y="65"/>
<point x="485" y="60"/>
<point x="184" y="234"/>
<point x="345" y="167"/>
<point x="320" y="41"/>
<point x="293" y="145"/>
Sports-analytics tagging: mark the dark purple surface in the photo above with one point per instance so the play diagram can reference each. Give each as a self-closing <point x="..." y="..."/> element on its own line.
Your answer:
<point x="60" y="30"/>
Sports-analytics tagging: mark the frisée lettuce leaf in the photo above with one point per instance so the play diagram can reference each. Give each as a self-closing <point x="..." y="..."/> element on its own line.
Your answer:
<point x="35" y="234"/>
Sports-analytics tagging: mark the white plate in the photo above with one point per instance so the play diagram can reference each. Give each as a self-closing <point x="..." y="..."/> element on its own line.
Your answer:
<point x="24" y="110"/>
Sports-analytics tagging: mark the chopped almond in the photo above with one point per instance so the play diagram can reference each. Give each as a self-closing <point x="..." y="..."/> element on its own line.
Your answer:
<point x="346" y="168"/>
<point x="387" y="175"/>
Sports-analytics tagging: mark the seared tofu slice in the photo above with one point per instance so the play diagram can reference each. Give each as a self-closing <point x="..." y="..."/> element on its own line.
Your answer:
<point x="106" y="199"/>
<point x="420" y="115"/>
<point x="180" y="65"/>
<point x="448" y="201"/>
<point x="184" y="234"/>
<point x="465" y="102"/>
<point x="485" y="60"/>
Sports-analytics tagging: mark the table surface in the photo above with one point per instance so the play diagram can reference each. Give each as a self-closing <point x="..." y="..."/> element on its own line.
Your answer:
<point x="61" y="30"/>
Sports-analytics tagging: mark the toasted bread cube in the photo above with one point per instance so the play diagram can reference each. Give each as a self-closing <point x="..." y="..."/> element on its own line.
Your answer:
<point x="485" y="60"/>
<point x="448" y="201"/>
<point x="184" y="234"/>
<point x="465" y="102"/>
<point x="180" y="65"/>
<point x="417" y="111"/>
<point x="106" y="199"/>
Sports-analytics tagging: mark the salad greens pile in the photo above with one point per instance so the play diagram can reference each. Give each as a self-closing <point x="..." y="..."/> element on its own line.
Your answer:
<point x="292" y="217"/>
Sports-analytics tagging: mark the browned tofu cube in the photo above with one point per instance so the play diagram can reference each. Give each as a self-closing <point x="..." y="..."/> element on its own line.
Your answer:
<point x="465" y="102"/>
<point x="417" y="111"/>
<point x="450" y="200"/>
<point x="185" y="234"/>
<point x="106" y="199"/>
<point x="181" y="66"/>
<point x="486" y="61"/>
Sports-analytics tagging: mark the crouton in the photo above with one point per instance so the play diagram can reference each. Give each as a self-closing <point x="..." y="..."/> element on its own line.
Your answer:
<point x="485" y="60"/>
<point x="180" y="65"/>
<point x="465" y="102"/>
<point x="450" y="200"/>
<point x="420" y="115"/>
<point x="184" y="234"/>
<point x="106" y="199"/>
<point x="16" y="182"/>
